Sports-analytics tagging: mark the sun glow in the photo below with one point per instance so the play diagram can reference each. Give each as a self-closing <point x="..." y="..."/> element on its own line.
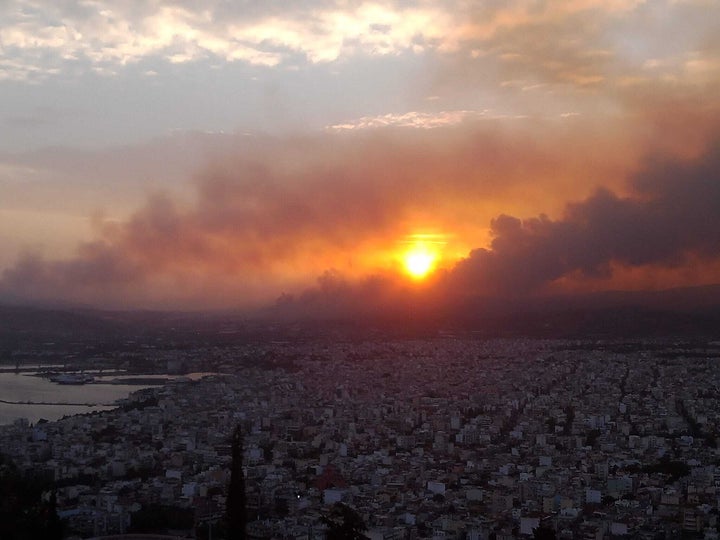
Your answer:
<point x="421" y="256"/>
<point x="419" y="263"/>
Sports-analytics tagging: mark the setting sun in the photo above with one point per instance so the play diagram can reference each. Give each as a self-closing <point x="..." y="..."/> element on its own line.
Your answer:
<point x="419" y="263"/>
<point x="421" y="255"/>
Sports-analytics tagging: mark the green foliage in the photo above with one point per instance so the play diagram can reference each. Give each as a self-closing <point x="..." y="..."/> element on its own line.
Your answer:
<point x="344" y="523"/>
<point x="159" y="519"/>
<point x="208" y="531"/>
<point x="675" y="468"/>
<point x="543" y="533"/>
<point x="569" y="418"/>
<point x="152" y="401"/>
<point x="591" y="437"/>
<point x="27" y="506"/>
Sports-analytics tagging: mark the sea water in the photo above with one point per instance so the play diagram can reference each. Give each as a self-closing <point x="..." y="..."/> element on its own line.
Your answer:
<point x="24" y="387"/>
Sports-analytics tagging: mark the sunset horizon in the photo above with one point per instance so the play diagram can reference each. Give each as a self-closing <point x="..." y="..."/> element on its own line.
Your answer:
<point x="165" y="157"/>
<point x="359" y="269"/>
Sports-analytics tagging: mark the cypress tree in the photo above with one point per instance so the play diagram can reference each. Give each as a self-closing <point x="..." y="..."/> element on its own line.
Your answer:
<point x="236" y="502"/>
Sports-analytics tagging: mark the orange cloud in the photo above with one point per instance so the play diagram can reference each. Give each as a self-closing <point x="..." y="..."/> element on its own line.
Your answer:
<point x="275" y="212"/>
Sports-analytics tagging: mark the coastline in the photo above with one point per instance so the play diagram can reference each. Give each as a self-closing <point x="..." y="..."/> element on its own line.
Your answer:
<point x="34" y="398"/>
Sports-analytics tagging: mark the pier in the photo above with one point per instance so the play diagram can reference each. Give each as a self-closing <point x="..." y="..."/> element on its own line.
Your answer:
<point x="56" y="403"/>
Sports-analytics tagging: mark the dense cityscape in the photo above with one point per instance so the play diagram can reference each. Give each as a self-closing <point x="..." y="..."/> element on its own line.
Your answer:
<point x="359" y="269"/>
<point x="451" y="437"/>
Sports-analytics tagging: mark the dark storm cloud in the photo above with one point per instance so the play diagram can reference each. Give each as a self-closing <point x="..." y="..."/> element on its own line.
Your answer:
<point x="670" y="219"/>
<point x="672" y="214"/>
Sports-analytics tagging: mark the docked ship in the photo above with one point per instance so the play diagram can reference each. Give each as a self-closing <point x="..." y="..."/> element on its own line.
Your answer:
<point x="72" y="378"/>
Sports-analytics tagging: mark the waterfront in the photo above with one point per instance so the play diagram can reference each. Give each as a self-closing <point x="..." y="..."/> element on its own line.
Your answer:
<point x="23" y="387"/>
<point x="27" y="391"/>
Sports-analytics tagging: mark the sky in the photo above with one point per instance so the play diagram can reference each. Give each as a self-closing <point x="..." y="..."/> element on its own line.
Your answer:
<point x="236" y="154"/>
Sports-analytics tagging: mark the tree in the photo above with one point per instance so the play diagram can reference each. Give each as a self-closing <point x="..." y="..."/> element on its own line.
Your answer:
<point x="236" y="511"/>
<point x="27" y="505"/>
<point x="569" y="418"/>
<point x="344" y="523"/>
<point x="543" y="533"/>
<point x="158" y="519"/>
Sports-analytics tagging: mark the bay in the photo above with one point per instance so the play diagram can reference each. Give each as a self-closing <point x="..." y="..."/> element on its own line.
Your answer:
<point x="23" y="387"/>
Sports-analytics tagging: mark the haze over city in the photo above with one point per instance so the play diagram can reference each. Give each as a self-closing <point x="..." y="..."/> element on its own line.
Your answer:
<point x="348" y="269"/>
<point x="166" y="155"/>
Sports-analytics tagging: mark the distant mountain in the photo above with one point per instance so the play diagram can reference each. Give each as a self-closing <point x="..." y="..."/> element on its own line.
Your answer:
<point x="18" y="322"/>
<point x="673" y="312"/>
<point x="687" y="299"/>
<point x="678" y="312"/>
